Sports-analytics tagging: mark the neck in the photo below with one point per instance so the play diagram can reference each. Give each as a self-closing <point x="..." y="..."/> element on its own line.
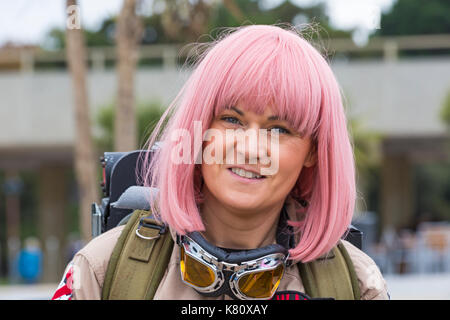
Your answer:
<point x="236" y="229"/>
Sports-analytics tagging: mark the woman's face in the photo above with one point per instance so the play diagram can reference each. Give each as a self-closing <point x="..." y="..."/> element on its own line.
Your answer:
<point x="233" y="183"/>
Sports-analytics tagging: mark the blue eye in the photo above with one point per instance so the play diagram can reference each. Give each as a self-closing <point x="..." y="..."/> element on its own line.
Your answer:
<point x="280" y="130"/>
<point x="231" y="120"/>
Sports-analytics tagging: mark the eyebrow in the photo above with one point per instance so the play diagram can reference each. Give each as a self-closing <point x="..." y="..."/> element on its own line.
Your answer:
<point x="242" y="113"/>
<point x="237" y="110"/>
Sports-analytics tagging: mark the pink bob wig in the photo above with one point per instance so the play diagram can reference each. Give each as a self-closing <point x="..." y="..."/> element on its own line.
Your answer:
<point x="258" y="65"/>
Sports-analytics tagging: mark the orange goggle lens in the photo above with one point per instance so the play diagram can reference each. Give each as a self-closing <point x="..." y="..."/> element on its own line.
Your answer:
<point x="261" y="284"/>
<point x="195" y="272"/>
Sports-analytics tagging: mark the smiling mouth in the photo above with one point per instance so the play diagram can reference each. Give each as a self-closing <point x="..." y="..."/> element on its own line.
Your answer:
<point x="246" y="174"/>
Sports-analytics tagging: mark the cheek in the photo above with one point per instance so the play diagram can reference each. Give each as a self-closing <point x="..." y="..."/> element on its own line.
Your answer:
<point x="212" y="162"/>
<point x="214" y="147"/>
<point x="291" y="161"/>
<point x="209" y="171"/>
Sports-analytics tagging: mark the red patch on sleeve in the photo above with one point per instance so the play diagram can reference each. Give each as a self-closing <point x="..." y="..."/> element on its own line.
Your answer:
<point x="64" y="290"/>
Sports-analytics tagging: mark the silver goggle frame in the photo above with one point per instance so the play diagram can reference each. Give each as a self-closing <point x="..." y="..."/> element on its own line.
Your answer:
<point x="265" y="263"/>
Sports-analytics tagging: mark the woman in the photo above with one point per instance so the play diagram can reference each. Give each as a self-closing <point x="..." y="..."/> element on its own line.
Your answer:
<point x="289" y="191"/>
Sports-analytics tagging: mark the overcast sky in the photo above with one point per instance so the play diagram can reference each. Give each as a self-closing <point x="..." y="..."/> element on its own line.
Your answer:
<point x="27" y="21"/>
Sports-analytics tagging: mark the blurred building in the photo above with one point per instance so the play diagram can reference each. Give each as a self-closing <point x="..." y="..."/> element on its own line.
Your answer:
<point x="17" y="57"/>
<point x="399" y="98"/>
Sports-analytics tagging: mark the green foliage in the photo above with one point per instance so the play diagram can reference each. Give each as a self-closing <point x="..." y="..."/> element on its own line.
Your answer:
<point x="29" y="203"/>
<point x="433" y="191"/>
<point x="366" y="149"/>
<point x="105" y="121"/>
<point x="286" y="12"/>
<point x="104" y="36"/>
<point x="367" y="153"/>
<point x="417" y="17"/>
<point x="147" y="116"/>
<point x="412" y="17"/>
<point x="255" y="15"/>
<point x="366" y="145"/>
<point x="445" y="110"/>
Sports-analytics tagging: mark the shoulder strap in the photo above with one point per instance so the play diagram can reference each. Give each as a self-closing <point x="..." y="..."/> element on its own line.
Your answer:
<point x="139" y="259"/>
<point x="331" y="277"/>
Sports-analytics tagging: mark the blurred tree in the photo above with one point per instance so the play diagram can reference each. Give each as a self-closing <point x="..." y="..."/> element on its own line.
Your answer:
<point x="433" y="191"/>
<point x="253" y="12"/>
<point x="147" y="116"/>
<point x="104" y="36"/>
<point x="412" y="17"/>
<point x="84" y="149"/>
<point x="366" y="149"/>
<point x="445" y="111"/>
<point x="3" y="240"/>
<point x="234" y="10"/>
<point x="129" y="33"/>
<point x="416" y="17"/>
<point x="185" y="21"/>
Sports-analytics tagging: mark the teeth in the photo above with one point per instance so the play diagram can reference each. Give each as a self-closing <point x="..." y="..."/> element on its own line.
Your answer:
<point x="246" y="174"/>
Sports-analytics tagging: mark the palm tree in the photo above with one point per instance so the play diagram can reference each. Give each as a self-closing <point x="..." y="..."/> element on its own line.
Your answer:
<point x="84" y="151"/>
<point x="129" y="32"/>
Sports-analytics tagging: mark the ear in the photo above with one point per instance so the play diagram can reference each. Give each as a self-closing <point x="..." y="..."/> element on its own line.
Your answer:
<point x="311" y="158"/>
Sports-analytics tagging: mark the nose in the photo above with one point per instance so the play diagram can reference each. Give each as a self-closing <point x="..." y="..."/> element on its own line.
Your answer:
<point x="251" y="146"/>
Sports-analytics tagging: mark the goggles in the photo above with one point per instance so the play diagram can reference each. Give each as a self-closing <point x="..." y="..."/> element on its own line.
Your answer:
<point x="249" y="274"/>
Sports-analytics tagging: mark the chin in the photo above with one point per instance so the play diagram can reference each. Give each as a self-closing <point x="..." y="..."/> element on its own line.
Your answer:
<point x="243" y="201"/>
